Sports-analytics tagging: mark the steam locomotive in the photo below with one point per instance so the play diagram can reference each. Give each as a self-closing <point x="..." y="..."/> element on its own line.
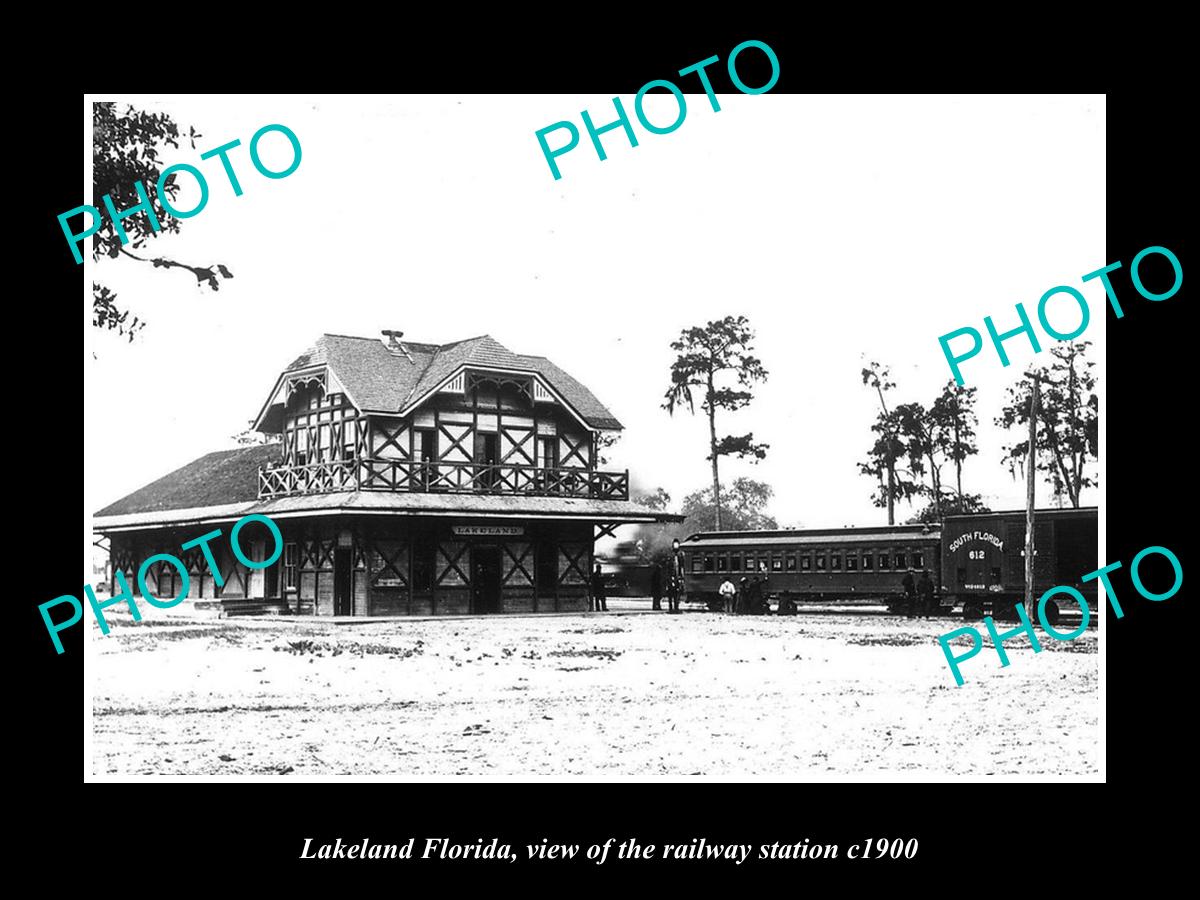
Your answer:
<point x="976" y="561"/>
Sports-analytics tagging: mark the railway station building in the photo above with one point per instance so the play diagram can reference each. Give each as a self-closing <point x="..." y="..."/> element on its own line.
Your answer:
<point x="405" y="478"/>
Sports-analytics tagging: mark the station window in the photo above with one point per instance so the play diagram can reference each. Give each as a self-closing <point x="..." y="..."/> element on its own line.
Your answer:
<point x="776" y="562"/>
<point x="791" y="562"/>
<point x="722" y="563"/>
<point x="918" y="560"/>
<point x="820" y="562"/>
<point x="868" y="559"/>
<point x="708" y="562"/>
<point x="900" y="563"/>
<point x="697" y="564"/>
<point x="806" y="563"/>
<point x="851" y="562"/>
<point x="835" y="562"/>
<point x="735" y="562"/>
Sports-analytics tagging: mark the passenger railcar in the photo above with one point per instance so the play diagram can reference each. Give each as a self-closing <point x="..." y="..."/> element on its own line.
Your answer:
<point x="983" y="558"/>
<point x="813" y="564"/>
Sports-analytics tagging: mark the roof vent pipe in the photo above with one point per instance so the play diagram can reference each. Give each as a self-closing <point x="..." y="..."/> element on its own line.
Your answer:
<point x="394" y="344"/>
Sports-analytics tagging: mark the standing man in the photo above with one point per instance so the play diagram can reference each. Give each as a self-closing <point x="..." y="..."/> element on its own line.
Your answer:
<point x="910" y="592"/>
<point x="925" y="592"/>
<point x="656" y="586"/>
<point x="728" y="593"/>
<point x="599" y="604"/>
<point x="675" y="589"/>
<point x="756" y="594"/>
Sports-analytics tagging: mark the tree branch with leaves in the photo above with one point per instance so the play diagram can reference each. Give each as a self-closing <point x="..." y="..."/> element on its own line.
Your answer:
<point x="1068" y="421"/>
<point x="126" y="147"/>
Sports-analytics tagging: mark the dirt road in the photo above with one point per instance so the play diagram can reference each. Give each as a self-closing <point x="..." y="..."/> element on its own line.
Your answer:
<point x="589" y="695"/>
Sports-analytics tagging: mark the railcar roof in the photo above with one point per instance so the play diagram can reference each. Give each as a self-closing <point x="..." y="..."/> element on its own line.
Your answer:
<point x="810" y="538"/>
<point x="1081" y="511"/>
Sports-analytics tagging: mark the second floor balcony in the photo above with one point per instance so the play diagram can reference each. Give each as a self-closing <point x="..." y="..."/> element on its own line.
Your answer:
<point x="440" y="477"/>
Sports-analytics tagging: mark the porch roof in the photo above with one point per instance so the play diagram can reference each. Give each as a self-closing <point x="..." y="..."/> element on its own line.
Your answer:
<point x="479" y="506"/>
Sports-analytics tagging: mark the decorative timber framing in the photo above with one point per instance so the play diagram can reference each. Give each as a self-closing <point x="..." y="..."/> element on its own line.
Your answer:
<point x="489" y="439"/>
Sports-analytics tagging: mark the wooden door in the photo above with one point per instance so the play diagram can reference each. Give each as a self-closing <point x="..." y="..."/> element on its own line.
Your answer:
<point x="341" y="582"/>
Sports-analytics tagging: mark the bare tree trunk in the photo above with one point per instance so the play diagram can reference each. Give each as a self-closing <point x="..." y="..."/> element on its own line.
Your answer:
<point x="958" y="457"/>
<point x="936" y="484"/>
<point x="1031" y="481"/>
<point x="891" y="464"/>
<point x="891" y="490"/>
<point x="712" y="439"/>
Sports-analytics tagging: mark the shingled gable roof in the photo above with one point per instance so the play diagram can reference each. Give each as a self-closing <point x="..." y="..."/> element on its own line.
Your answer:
<point x="379" y="380"/>
<point x="215" y="479"/>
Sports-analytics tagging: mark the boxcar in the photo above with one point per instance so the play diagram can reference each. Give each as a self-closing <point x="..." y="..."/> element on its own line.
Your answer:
<point x="983" y="558"/>
<point x="813" y="564"/>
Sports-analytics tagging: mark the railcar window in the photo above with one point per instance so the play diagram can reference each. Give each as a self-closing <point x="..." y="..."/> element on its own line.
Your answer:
<point x="735" y="562"/>
<point x="697" y="563"/>
<point x="835" y="562"/>
<point x="806" y="563"/>
<point x="820" y="562"/>
<point x="722" y="563"/>
<point x="776" y="563"/>
<point x="918" y="560"/>
<point x="791" y="562"/>
<point x="851" y="562"/>
<point x="900" y="564"/>
<point x="708" y="562"/>
<point x="884" y="562"/>
<point x="868" y="559"/>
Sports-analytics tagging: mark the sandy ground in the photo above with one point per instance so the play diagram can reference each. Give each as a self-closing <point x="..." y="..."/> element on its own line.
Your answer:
<point x="616" y="694"/>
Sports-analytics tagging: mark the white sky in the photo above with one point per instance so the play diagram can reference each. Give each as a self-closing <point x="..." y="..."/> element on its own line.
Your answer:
<point x="840" y="226"/>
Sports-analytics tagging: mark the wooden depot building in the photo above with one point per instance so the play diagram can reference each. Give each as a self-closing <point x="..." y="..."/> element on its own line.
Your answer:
<point x="408" y="479"/>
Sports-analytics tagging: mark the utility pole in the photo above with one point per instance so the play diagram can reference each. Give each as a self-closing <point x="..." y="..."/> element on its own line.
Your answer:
<point x="1030" y="482"/>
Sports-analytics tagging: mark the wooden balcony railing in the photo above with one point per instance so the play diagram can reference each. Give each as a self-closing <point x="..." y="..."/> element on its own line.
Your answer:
<point x="440" y="477"/>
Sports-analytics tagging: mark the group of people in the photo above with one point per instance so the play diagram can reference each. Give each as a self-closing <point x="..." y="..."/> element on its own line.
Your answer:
<point x="670" y="587"/>
<point x="918" y="595"/>
<point x="747" y="597"/>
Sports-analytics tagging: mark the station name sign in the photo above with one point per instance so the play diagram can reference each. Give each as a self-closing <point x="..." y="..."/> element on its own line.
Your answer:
<point x="489" y="530"/>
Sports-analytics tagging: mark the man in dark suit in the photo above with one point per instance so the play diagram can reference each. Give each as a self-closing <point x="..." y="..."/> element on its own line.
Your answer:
<point x="675" y="586"/>
<point x="925" y="595"/>
<point x="599" y="603"/>
<point x="656" y="586"/>
<point x="910" y="593"/>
